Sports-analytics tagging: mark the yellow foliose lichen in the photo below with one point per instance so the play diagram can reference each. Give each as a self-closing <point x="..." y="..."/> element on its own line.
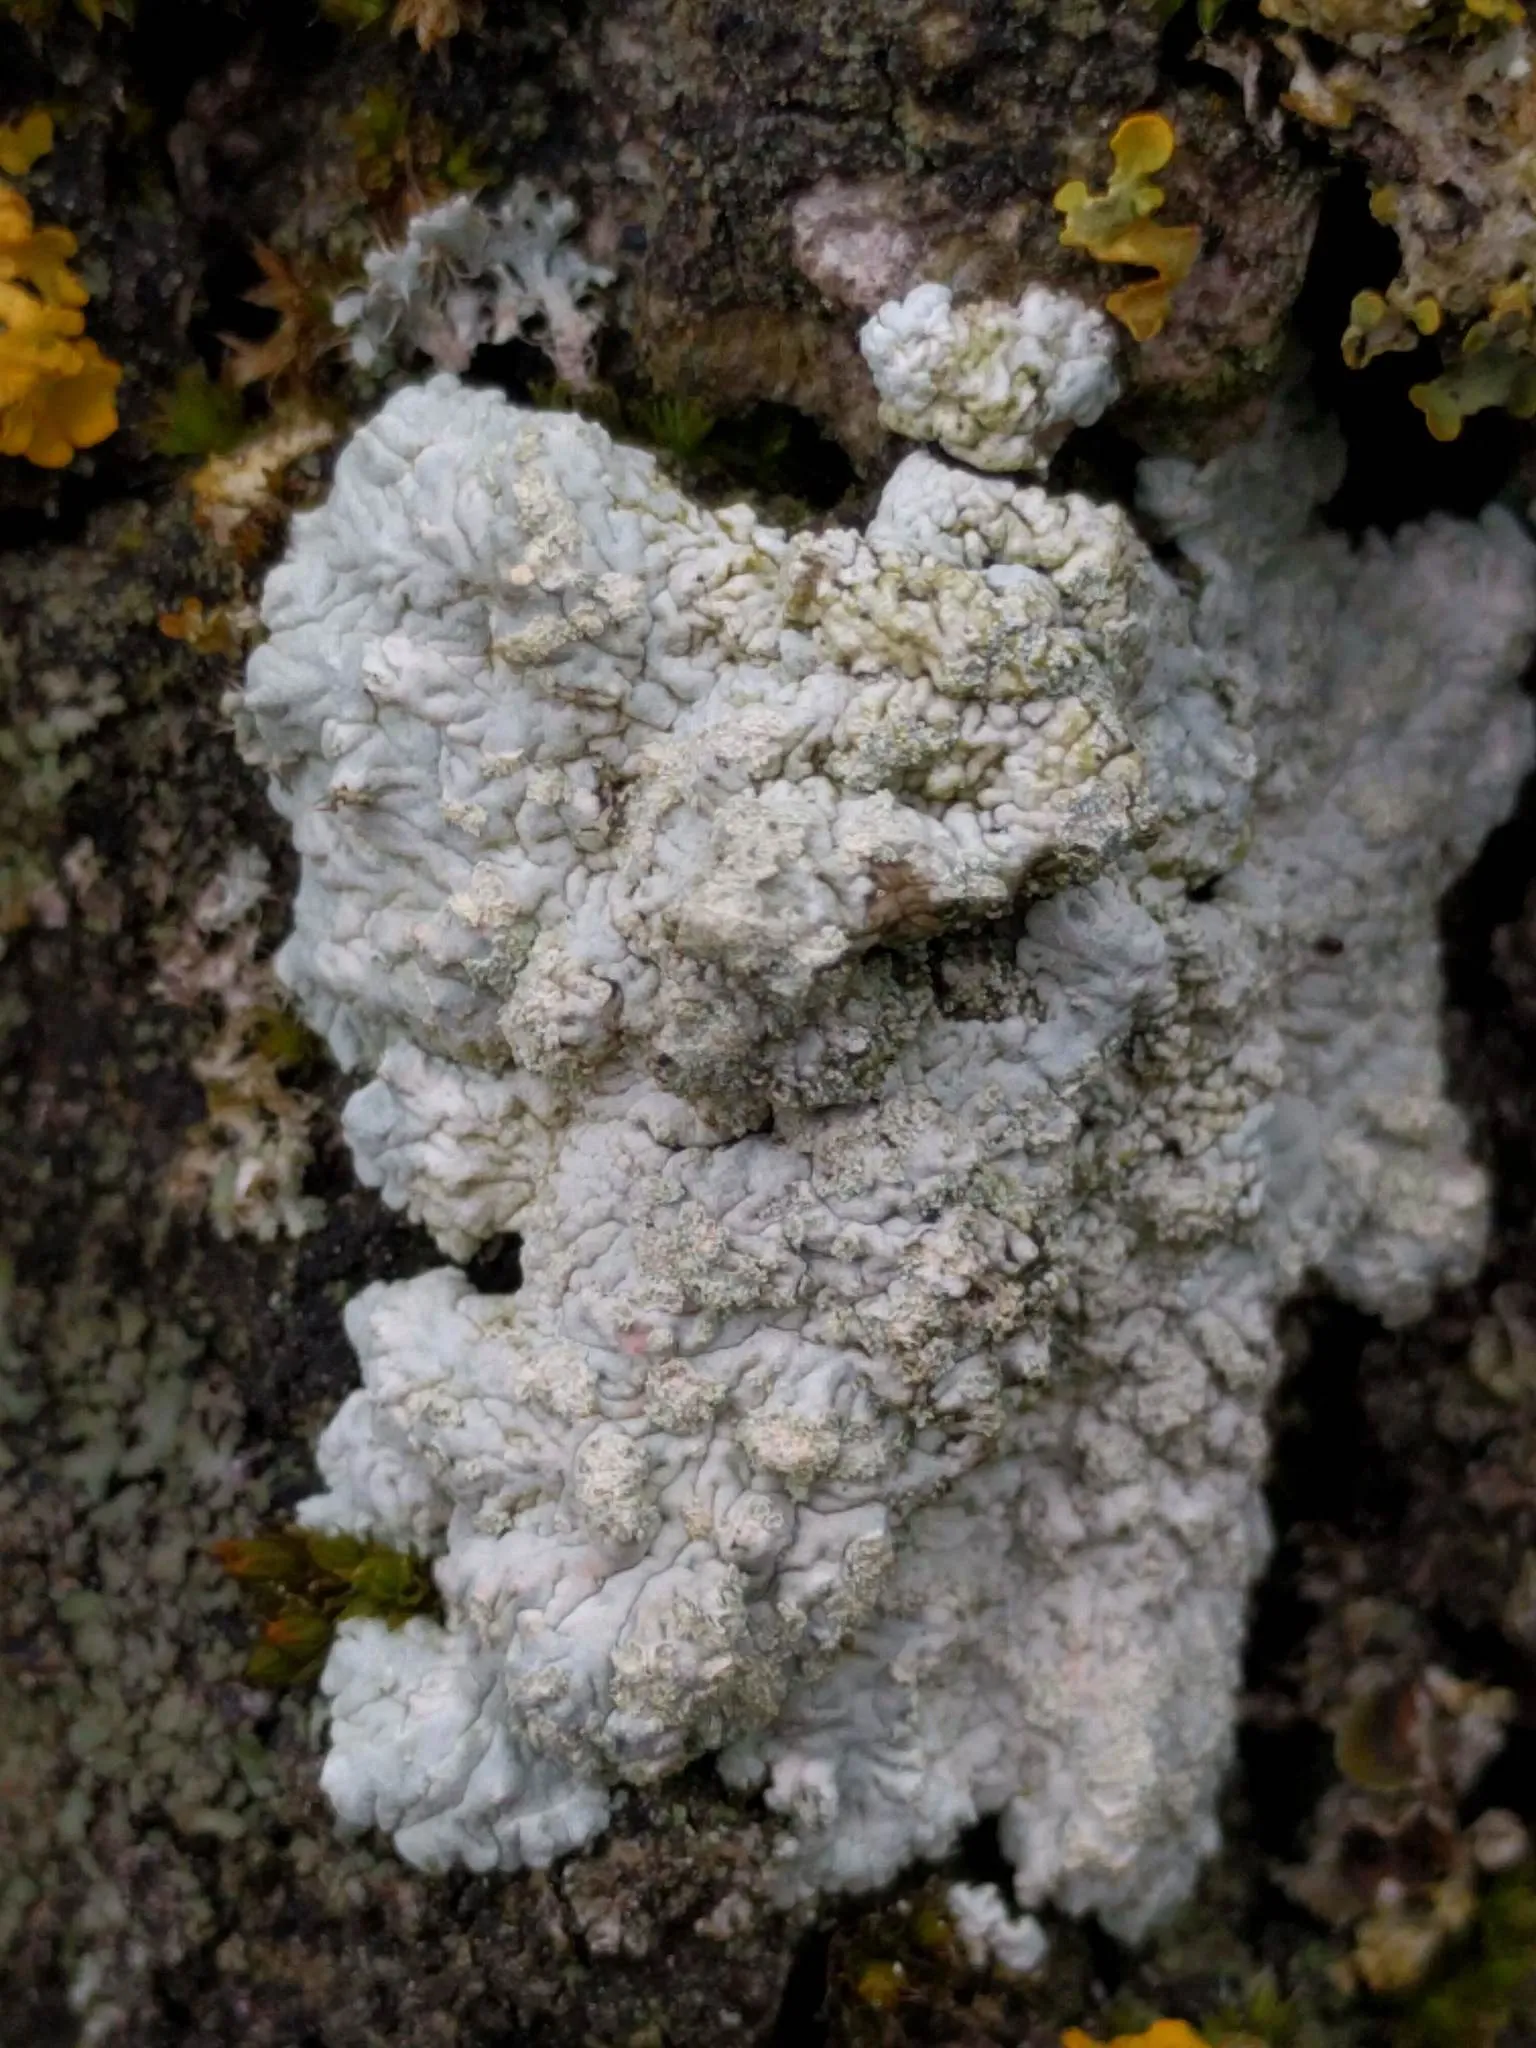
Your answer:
<point x="1115" y="225"/>
<point x="1381" y="322"/>
<point x="57" y="389"/>
<point x="1495" y="368"/>
<point x="1497" y="376"/>
<point x="1501" y="13"/>
<point x="23" y="142"/>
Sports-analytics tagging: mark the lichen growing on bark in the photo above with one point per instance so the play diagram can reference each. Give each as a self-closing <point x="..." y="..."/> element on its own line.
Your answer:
<point x="760" y="181"/>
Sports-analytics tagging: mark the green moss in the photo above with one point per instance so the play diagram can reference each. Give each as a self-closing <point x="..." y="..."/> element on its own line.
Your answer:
<point x="751" y="452"/>
<point x="355" y="14"/>
<point x="677" y="426"/>
<point x="1492" y="1984"/>
<point x="378" y="129"/>
<point x="394" y="146"/>
<point x="305" y="1582"/>
<point x="198" y="416"/>
<point x="1207" y="12"/>
<point x="1263" y="2015"/>
<point x="37" y="15"/>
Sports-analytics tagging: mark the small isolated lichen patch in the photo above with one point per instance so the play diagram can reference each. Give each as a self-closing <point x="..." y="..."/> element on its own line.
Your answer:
<point x="244" y="1164"/>
<point x="1381" y="323"/>
<point x="46" y="712"/>
<point x="923" y="996"/>
<point x="240" y="497"/>
<point x="997" y="386"/>
<point x="990" y="1931"/>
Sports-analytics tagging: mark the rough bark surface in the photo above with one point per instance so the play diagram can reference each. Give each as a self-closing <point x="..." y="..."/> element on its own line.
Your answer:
<point x="758" y="173"/>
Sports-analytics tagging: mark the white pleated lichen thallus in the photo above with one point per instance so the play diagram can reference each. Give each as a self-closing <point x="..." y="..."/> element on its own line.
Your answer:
<point x="923" y="997"/>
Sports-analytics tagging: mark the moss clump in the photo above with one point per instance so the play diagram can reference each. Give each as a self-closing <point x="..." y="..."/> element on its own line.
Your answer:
<point x="404" y="160"/>
<point x="753" y="451"/>
<point x="306" y="1582"/>
<point x="198" y="416"/>
<point x="37" y="15"/>
<point x="677" y="426"/>
<point x="1472" y="2005"/>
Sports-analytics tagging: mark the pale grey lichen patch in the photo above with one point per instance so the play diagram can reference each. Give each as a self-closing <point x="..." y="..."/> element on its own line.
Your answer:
<point x="244" y="1164"/>
<point x="467" y="275"/>
<point x="924" y="997"/>
<point x="45" y="714"/>
<point x="990" y="1932"/>
<point x="118" y="1734"/>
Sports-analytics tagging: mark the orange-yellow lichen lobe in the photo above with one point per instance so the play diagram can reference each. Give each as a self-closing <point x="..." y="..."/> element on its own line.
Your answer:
<point x="1384" y="204"/>
<point x="23" y="142"/>
<point x="881" y="1985"/>
<point x="1382" y="322"/>
<point x="1114" y="225"/>
<point x="57" y="390"/>
<point x="1495" y="368"/>
<point x="1478" y="12"/>
<point x="1161" y="2034"/>
<point x="205" y="629"/>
